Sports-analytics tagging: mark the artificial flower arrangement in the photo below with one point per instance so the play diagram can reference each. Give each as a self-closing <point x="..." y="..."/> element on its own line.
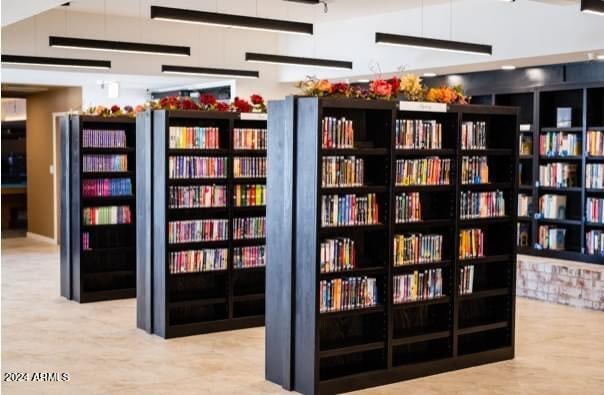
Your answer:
<point x="206" y="102"/>
<point x="409" y="87"/>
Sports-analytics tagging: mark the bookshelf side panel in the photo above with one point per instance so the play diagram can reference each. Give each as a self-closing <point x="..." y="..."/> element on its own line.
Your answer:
<point x="65" y="247"/>
<point x="305" y="339"/>
<point x="158" y="261"/>
<point x="279" y="227"/>
<point x="144" y="215"/>
<point x="75" y="207"/>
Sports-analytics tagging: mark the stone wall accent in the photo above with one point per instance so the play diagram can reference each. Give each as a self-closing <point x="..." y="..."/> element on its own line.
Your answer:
<point x="562" y="282"/>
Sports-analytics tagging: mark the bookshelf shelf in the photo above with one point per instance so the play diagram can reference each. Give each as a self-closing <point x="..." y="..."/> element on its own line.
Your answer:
<point x="355" y="151"/>
<point x="483" y="328"/>
<point x="594" y="225"/>
<point x="98" y="261"/>
<point x="224" y="296"/>
<point x="560" y="189"/>
<point x="594" y="158"/>
<point x="560" y="158"/>
<point x="342" y="351"/>
<point x="572" y="222"/>
<point x="576" y="129"/>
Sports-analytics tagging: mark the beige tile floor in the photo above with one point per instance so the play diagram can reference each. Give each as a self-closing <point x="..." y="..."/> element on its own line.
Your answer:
<point x="560" y="350"/>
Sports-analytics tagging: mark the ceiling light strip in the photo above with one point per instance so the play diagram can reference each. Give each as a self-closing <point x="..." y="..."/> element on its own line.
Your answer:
<point x="432" y="43"/>
<point x="297" y="61"/>
<point x="117" y="46"/>
<point x="228" y="20"/>
<point x="56" y="62"/>
<point x="209" y="72"/>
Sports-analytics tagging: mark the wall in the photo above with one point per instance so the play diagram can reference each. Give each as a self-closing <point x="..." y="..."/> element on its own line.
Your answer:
<point x="40" y="106"/>
<point x="13" y="109"/>
<point x="95" y="94"/>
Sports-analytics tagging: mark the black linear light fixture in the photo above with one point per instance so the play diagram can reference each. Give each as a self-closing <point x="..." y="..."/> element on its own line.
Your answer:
<point x="209" y="72"/>
<point x="229" y="20"/>
<point x="297" y="61"/>
<point x="593" y="6"/>
<point x="56" y="62"/>
<point x="117" y="46"/>
<point x="432" y="43"/>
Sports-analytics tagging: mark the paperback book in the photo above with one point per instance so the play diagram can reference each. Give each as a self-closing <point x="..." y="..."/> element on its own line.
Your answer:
<point x="197" y="230"/>
<point x="481" y="204"/>
<point x="107" y="215"/>
<point x="343" y="210"/>
<point x="474" y="170"/>
<point x="347" y="294"/>
<point x="247" y="257"/>
<point x="525" y="205"/>
<point x="553" y="206"/>
<point x="559" y="144"/>
<point x="526" y="145"/>
<point x="552" y="238"/>
<point x="102" y="187"/>
<point x="197" y="196"/>
<point x="337" y="255"/>
<point x="249" y="228"/>
<point x="408" y="207"/>
<point x="594" y="210"/>
<point x="523" y="234"/>
<point x="558" y="174"/>
<point x="249" y="167"/>
<point x="250" y="139"/>
<point x="425" y="171"/>
<point x="249" y="195"/>
<point x="424" y="285"/>
<point x="595" y="143"/>
<point x="194" y="137"/>
<point x="181" y="167"/>
<point x="337" y="133"/>
<point x="594" y="242"/>
<point x="194" y="261"/>
<point x="471" y="243"/>
<point x="93" y="138"/>
<point x="473" y="135"/>
<point x="594" y="175"/>
<point x="104" y="163"/>
<point x="417" y="248"/>
<point x="418" y="134"/>
<point x="466" y="280"/>
<point x="340" y="171"/>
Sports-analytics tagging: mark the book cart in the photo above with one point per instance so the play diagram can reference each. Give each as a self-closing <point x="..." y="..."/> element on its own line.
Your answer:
<point x="228" y="292"/>
<point x="466" y="318"/>
<point x="98" y="208"/>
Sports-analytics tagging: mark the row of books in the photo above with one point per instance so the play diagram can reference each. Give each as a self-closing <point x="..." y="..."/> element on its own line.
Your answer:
<point x="466" y="280"/>
<point x="424" y="285"/>
<point x="337" y="133"/>
<point x="559" y="144"/>
<point x="417" y="248"/>
<point x="196" y="230"/>
<point x="86" y="241"/>
<point x="340" y="171"/>
<point x="558" y="174"/>
<point x="526" y="145"/>
<point x="104" y="163"/>
<point x="474" y="135"/>
<point x="471" y="243"/>
<point x="103" y="138"/>
<point x="481" y="204"/>
<point x="552" y="206"/>
<point x="254" y="139"/>
<point x="193" y="261"/>
<point x="337" y="255"/>
<point x="106" y="187"/>
<point x="347" y="294"/>
<point x="197" y="196"/>
<point x="525" y="205"/>
<point x="408" y="208"/>
<point x="595" y="143"/>
<point x="552" y="237"/>
<point x="193" y="137"/>
<point x="523" y="234"/>
<point x="108" y="215"/>
<point x="249" y="228"/>
<point x="474" y="170"/>
<point x="349" y="210"/>
<point x="249" y="195"/>
<point x="180" y="167"/>
<point x="249" y="167"/>
<point x="418" y="134"/>
<point x="594" y="210"/>
<point x="425" y="171"/>
<point x="594" y="175"/>
<point x="251" y="256"/>
<point x="594" y="242"/>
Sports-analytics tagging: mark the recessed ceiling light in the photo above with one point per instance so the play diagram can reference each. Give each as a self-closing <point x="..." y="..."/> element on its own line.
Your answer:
<point x="508" y="67"/>
<point x="428" y="75"/>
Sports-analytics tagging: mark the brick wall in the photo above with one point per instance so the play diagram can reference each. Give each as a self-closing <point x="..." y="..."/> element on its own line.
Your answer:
<point x="563" y="282"/>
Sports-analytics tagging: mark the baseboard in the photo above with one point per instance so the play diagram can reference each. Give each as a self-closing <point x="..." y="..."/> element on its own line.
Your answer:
<point x="44" y="239"/>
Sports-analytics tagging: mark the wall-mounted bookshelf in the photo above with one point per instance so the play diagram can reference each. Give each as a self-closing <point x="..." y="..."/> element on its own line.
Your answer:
<point x="98" y="208"/>
<point x="392" y="275"/>
<point x="577" y="231"/>
<point x="202" y="266"/>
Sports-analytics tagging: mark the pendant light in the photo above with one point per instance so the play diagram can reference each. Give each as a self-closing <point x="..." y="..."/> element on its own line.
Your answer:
<point x="56" y="62"/>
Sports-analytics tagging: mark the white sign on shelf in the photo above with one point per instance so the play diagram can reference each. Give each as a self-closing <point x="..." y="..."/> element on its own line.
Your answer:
<point x="422" y="106"/>
<point x="253" y="116"/>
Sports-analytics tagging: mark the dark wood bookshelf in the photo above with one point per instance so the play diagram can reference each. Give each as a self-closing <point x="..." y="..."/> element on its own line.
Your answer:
<point x="310" y="351"/>
<point x="184" y="304"/>
<point x="107" y="270"/>
<point x="538" y="108"/>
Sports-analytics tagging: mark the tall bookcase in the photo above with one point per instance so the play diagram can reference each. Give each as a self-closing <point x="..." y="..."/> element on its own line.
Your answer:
<point x="313" y="351"/>
<point x="173" y="303"/>
<point x="97" y="260"/>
